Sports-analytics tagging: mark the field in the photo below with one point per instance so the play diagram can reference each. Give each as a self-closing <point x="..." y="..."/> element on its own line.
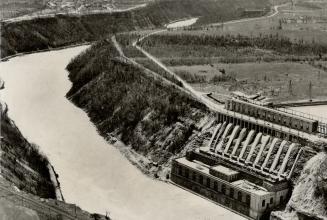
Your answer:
<point x="282" y="57"/>
<point x="13" y="8"/>
<point x="278" y="81"/>
<point x="304" y="21"/>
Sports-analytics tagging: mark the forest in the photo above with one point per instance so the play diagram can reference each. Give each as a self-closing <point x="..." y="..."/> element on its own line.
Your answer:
<point x="121" y="99"/>
<point x="276" y="43"/>
<point x="64" y="30"/>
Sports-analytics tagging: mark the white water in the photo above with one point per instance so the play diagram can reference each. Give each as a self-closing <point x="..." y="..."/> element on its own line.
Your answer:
<point x="93" y="174"/>
<point x="183" y="23"/>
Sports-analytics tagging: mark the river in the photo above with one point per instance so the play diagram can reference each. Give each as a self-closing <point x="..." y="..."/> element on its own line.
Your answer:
<point x="182" y="23"/>
<point x="93" y="174"/>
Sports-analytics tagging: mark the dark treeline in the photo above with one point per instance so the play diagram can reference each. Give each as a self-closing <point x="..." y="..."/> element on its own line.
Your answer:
<point x="90" y="64"/>
<point x="276" y="43"/>
<point x="16" y="150"/>
<point x="121" y="98"/>
<point x="63" y="30"/>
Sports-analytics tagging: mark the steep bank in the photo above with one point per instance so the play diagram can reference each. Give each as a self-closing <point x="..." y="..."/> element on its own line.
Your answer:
<point x="21" y="162"/>
<point x="63" y="30"/>
<point x="155" y="118"/>
<point x="26" y="177"/>
<point x="309" y="197"/>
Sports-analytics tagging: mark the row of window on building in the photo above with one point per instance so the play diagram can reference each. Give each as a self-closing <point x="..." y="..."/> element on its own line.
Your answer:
<point x="269" y="115"/>
<point x="212" y="184"/>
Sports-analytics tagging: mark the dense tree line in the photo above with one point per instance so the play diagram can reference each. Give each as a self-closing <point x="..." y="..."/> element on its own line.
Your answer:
<point x="90" y="63"/>
<point x="121" y="98"/>
<point x="63" y="30"/>
<point x="275" y="43"/>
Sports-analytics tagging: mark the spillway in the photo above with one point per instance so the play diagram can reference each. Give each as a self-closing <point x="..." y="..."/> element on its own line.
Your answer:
<point x="254" y="145"/>
<point x="273" y="166"/>
<point x="222" y="140"/>
<point x="240" y="138"/>
<point x="231" y="138"/>
<point x="286" y="158"/>
<point x="249" y="138"/>
<point x="214" y="137"/>
<point x="264" y="143"/>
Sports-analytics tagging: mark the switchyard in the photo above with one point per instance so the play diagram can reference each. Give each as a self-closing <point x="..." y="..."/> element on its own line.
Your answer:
<point x="246" y="166"/>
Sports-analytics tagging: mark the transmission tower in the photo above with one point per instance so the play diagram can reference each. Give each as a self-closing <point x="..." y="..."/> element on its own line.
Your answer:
<point x="310" y="91"/>
<point x="290" y="87"/>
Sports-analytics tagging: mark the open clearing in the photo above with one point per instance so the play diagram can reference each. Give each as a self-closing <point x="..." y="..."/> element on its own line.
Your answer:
<point x="303" y="21"/>
<point x="280" y="81"/>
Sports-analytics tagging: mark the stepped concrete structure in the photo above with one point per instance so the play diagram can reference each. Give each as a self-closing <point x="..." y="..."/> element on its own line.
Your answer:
<point x="246" y="166"/>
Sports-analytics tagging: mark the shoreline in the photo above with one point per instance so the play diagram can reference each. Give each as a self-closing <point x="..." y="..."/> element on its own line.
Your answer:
<point x="7" y="58"/>
<point x="55" y="181"/>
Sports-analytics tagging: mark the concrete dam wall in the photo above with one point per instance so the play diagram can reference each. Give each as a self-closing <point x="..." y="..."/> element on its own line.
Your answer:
<point x="270" y="156"/>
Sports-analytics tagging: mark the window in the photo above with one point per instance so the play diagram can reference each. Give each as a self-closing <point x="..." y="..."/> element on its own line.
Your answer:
<point x="187" y="173"/>
<point x="201" y="179"/>
<point x="239" y="196"/>
<point x="193" y="176"/>
<point x="248" y="199"/>
<point x="208" y="182"/>
<point x="179" y="170"/>
<point x="223" y="189"/>
<point x="231" y="192"/>
<point x="271" y="200"/>
<point x="281" y="199"/>
<point x="263" y="203"/>
<point x="215" y="186"/>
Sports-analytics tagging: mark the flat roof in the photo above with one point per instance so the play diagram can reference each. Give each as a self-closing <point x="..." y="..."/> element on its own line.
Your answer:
<point x="251" y="187"/>
<point x="194" y="164"/>
<point x="241" y="184"/>
<point x="225" y="170"/>
<point x="274" y="110"/>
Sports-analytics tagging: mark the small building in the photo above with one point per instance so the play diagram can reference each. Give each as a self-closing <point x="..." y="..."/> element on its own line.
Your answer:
<point x="255" y="110"/>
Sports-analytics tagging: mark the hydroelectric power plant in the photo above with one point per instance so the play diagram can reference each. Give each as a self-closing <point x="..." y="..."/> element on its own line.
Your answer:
<point x="250" y="159"/>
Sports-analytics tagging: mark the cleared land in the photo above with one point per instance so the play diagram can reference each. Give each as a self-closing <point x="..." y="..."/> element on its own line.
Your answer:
<point x="282" y="57"/>
<point x="14" y="8"/>
<point x="280" y="81"/>
<point x="305" y="21"/>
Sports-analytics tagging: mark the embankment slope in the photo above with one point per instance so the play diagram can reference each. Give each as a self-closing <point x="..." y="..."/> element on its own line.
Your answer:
<point x="64" y="30"/>
<point x="309" y="197"/>
<point x="26" y="176"/>
<point x="156" y="119"/>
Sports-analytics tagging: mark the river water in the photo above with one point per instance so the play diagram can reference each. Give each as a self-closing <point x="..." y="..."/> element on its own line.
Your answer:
<point x="183" y="23"/>
<point x="93" y="174"/>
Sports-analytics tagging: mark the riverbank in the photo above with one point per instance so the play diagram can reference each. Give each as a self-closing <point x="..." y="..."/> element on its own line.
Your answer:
<point x="7" y="58"/>
<point x="107" y="180"/>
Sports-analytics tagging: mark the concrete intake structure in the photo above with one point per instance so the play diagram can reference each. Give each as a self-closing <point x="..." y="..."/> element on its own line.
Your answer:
<point x="245" y="166"/>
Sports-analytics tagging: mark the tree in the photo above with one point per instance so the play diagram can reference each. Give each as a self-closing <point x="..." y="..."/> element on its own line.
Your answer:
<point x="95" y="216"/>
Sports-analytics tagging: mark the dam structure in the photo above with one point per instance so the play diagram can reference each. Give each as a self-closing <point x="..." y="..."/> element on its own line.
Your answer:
<point x="246" y="166"/>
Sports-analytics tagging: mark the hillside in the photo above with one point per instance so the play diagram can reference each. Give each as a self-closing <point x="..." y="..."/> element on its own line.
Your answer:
<point x="309" y="198"/>
<point x="152" y="116"/>
<point x="63" y="30"/>
<point x="13" y="8"/>
<point x="28" y="185"/>
<point x="21" y="162"/>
